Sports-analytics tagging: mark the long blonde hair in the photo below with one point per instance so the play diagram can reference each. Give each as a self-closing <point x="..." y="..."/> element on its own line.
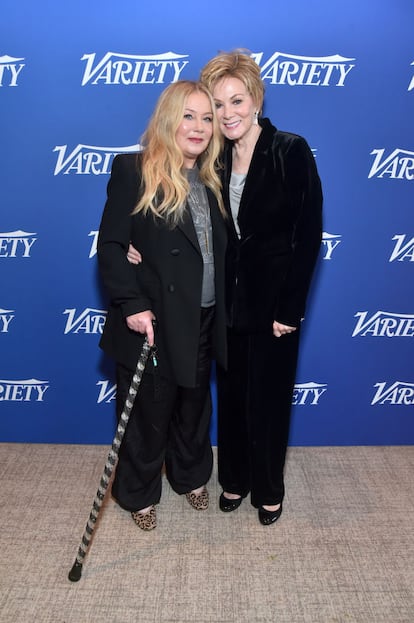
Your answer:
<point x="164" y="186"/>
<point x="236" y="64"/>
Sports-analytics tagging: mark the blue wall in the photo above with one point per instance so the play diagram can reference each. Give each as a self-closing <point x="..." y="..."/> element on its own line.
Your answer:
<point x="78" y="83"/>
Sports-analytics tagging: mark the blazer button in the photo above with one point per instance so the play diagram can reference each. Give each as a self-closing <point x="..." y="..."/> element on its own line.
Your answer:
<point x="175" y="251"/>
<point x="171" y="288"/>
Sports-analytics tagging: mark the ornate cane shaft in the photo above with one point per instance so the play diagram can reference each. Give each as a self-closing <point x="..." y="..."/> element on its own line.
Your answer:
<point x="76" y="571"/>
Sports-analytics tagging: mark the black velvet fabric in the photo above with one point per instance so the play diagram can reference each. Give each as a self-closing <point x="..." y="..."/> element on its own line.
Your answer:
<point x="268" y="273"/>
<point x="254" y="398"/>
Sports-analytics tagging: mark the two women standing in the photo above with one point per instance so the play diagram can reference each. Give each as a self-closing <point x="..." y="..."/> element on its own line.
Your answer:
<point x="272" y="212"/>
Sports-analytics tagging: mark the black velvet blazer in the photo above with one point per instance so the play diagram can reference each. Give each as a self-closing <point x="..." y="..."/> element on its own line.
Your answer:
<point x="168" y="281"/>
<point x="269" y="269"/>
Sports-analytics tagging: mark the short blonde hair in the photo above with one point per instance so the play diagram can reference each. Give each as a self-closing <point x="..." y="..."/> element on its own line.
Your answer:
<point x="236" y="64"/>
<point x="164" y="185"/>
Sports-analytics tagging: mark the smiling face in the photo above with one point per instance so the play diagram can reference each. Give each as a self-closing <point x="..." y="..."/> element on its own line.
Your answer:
<point x="194" y="133"/>
<point x="235" y="109"/>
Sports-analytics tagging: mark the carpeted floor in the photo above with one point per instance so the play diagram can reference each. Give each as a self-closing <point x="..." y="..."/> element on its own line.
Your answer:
<point x="342" y="552"/>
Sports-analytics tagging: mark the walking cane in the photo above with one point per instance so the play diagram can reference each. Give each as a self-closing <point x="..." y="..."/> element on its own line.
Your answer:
<point x="76" y="571"/>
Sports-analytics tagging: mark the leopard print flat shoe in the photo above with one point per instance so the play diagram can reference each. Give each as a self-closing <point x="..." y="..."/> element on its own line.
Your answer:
<point x="199" y="501"/>
<point x="145" y="521"/>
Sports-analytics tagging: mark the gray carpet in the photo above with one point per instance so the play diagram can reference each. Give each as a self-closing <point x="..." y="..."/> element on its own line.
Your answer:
<point x="343" y="550"/>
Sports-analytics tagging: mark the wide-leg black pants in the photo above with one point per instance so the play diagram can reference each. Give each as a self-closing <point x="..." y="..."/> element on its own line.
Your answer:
<point x="168" y="423"/>
<point x="254" y="407"/>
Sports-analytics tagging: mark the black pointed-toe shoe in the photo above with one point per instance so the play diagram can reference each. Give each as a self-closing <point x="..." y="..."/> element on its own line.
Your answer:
<point x="268" y="517"/>
<point x="226" y="505"/>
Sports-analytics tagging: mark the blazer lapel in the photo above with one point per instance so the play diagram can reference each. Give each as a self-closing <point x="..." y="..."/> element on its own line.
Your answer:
<point x="186" y="225"/>
<point x="255" y="174"/>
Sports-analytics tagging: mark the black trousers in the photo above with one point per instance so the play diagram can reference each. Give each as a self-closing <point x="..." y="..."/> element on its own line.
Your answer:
<point x="254" y="407"/>
<point x="168" y="423"/>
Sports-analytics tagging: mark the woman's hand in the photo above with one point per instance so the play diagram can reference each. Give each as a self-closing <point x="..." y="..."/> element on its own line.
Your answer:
<point x="142" y="323"/>
<point x="134" y="256"/>
<point x="282" y="329"/>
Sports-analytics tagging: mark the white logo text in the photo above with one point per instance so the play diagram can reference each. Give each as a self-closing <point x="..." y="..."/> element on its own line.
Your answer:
<point x="16" y="243"/>
<point x="107" y="392"/>
<point x="398" y="393"/>
<point x="94" y="244"/>
<point x="308" y="393"/>
<point x="129" y="69"/>
<point x="89" y="321"/>
<point x="30" y="389"/>
<point x="5" y="318"/>
<point x="384" y="324"/>
<point x="295" y="70"/>
<point x="10" y="69"/>
<point x="330" y="242"/>
<point x="402" y="250"/>
<point x="398" y="165"/>
<point x="411" y="85"/>
<point x="88" y="159"/>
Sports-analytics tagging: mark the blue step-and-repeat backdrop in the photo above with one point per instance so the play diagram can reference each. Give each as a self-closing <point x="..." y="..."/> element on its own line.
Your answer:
<point x="78" y="82"/>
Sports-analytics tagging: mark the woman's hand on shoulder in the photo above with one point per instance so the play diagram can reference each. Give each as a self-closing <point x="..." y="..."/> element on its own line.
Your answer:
<point x="142" y="323"/>
<point x="280" y="329"/>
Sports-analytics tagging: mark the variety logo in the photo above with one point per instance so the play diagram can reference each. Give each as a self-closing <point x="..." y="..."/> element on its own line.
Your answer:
<point x="330" y="242"/>
<point x="384" y="324"/>
<point x="89" y="321"/>
<point x="411" y="85"/>
<point x="107" y="392"/>
<point x="88" y="159"/>
<point x="10" y="68"/>
<point x="5" y="319"/>
<point x="308" y="393"/>
<point x="398" y="165"/>
<point x="403" y="250"/>
<point x="294" y="70"/>
<point x="30" y="390"/>
<point x="16" y="243"/>
<point x="399" y="393"/>
<point x="129" y="69"/>
<point x="94" y="245"/>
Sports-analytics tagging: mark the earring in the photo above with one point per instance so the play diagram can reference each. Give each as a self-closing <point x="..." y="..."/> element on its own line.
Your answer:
<point x="256" y="117"/>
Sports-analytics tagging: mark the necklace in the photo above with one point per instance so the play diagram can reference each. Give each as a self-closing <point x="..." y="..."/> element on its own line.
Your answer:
<point x="201" y="216"/>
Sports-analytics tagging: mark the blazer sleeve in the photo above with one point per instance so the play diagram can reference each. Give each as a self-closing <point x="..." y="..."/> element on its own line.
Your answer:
<point x="118" y="275"/>
<point x="304" y="187"/>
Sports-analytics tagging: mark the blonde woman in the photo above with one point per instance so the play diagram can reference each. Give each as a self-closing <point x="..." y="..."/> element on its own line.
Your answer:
<point x="273" y="198"/>
<point x="167" y="202"/>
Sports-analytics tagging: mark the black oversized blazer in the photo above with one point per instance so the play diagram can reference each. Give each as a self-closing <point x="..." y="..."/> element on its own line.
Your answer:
<point x="168" y="281"/>
<point x="268" y="271"/>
